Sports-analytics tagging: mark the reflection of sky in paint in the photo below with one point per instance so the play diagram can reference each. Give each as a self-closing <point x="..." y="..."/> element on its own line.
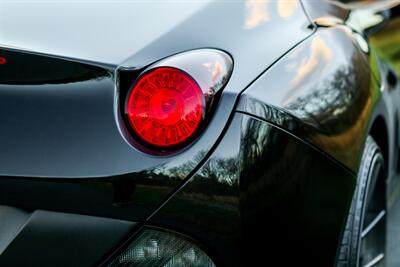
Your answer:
<point x="321" y="54"/>
<point x="258" y="12"/>
<point x="286" y="8"/>
<point x="88" y="29"/>
<point x="308" y="64"/>
<point x="326" y="96"/>
<point x="215" y="68"/>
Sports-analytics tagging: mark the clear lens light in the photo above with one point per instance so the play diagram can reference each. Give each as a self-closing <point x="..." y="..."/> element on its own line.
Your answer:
<point x="162" y="249"/>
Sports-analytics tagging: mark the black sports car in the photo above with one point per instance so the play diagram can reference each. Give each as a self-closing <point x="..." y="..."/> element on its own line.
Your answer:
<point x="199" y="133"/>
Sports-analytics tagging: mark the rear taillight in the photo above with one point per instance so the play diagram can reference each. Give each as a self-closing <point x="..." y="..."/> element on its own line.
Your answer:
<point x="165" y="107"/>
<point x="171" y="101"/>
<point x="3" y="60"/>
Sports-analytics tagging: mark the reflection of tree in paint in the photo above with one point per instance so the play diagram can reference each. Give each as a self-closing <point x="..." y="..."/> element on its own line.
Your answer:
<point x="331" y="99"/>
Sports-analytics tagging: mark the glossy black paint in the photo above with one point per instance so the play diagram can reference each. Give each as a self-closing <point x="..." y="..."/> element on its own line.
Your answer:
<point x="62" y="131"/>
<point x="255" y="200"/>
<point x="65" y="239"/>
<point x="60" y="135"/>
<point x="326" y="13"/>
<point x="328" y="98"/>
<point x="275" y="163"/>
<point x="335" y="91"/>
<point x="92" y="144"/>
<point x="62" y="142"/>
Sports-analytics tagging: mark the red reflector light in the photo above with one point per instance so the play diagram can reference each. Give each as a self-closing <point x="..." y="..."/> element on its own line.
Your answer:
<point x="165" y="107"/>
<point x="3" y="60"/>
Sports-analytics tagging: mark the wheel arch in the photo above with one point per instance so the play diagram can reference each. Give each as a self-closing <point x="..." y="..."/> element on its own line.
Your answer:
<point x="379" y="133"/>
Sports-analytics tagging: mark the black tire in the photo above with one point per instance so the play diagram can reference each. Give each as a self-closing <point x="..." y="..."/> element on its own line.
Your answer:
<point x="364" y="238"/>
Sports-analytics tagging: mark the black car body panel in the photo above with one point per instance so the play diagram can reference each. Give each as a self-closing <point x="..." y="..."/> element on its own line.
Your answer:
<point x="65" y="123"/>
<point x="267" y="201"/>
<point x="329" y="98"/>
<point x="119" y="157"/>
<point x="338" y="93"/>
<point x="276" y="161"/>
<point x="70" y="239"/>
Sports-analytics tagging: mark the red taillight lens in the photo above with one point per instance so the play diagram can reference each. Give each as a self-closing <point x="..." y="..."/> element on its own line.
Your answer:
<point x="3" y="60"/>
<point x="165" y="107"/>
